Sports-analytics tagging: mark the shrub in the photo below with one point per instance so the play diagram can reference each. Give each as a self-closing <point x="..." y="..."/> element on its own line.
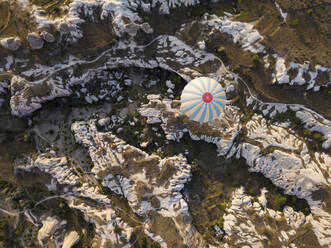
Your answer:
<point x="235" y="184"/>
<point x="195" y="196"/>
<point x="220" y="185"/>
<point x="194" y="167"/>
<point x="176" y="79"/>
<point x="221" y="222"/>
<point x="256" y="59"/>
<point x="212" y="232"/>
<point x="146" y="19"/>
<point x="280" y="201"/>
<point x="3" y="224"/>
<point x="155" y="245"/>
<point x="260" y="6"/>
<point x="309" y="12"/>
<point x="206" y="185"/>
<point x="236" y="68"/>
<point x="306" y="211"/>
<point x="295" y="22"/>
<point x="318" y="136"/>
<point x="143" y="242"/>
<point x="306" y="132"/>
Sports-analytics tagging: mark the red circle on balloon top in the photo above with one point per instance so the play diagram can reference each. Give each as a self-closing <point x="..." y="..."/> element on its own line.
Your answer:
<point x="207" y="97"/>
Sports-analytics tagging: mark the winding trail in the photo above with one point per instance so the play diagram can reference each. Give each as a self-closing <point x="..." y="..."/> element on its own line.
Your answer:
<point x="223" y="68"/>
<point x="238" y="79"/>
<point x="35" y="205"/>
<point x="84" y="62"/>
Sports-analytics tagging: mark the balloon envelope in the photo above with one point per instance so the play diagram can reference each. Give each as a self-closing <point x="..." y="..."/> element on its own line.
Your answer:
<point x="203" y="99"/>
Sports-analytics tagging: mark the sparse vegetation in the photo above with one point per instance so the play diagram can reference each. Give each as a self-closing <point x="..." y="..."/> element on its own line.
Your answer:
<point x="155" y="245"/>
<point x="53" y="7"/>
<point x="235" y="184"/>
<point x="256" y="59"/>
<point x="248" y="115"/>
<point x="318" y="136"/>
<point x="214" y="178"/>
<point x="295" y="22"/>
<point x="143" y="242"/>
<point x="146" y="19"/>
<point x="3" y="224"/>
<point x="279" y="201"/>
<point x="307" y="132"/>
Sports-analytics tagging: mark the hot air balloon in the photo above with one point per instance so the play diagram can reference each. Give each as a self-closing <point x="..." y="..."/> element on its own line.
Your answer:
<point x="203" y="99"/>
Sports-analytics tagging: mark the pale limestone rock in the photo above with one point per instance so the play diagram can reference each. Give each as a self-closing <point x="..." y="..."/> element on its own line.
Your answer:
<point x="70" y="239"/>
<point x="48" y="37"/>
<point x="50" y="225"/>
<point x="35" y="41"/>
<point x="11" y="43"/>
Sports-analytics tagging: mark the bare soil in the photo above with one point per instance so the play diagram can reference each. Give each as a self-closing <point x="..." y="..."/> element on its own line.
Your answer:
<point x="305" y="35"/>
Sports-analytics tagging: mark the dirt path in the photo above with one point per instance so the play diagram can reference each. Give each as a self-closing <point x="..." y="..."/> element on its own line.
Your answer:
<point x="237" y="78"/>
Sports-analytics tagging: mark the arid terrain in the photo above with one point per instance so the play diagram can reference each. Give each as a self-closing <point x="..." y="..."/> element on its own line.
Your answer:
<point x="95" y="151"/>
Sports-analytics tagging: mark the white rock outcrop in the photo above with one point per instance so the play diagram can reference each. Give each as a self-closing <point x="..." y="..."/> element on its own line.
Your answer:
<point x="305" y="74"/>
<point x="167" y="5"/>
<point x="242" y="33"/>
<point x="241" y="217"/>
<point x="70" y="239"/>
<point x="11" y="43"/>
<point x="148" y="182"/>
<point x="35" y="41"/>
<point x="48" y="37"/>
<point x="51" y="228"/>
<point x="57" y="167"/>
